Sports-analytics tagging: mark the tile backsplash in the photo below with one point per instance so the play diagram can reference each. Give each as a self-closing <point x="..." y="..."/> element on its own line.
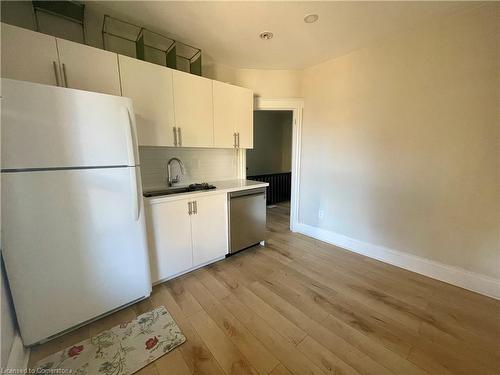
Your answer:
<point x="200" y="164"/>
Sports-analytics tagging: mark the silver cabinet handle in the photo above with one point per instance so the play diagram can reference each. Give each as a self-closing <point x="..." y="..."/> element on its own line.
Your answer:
<point x="180" y="136"/>
<point x="56" y="72"/>
<point x="234" y="138"/>
<point x="64" y="75"/>
<point x="238" y="138"/>
<point x="195" y="208"/>
<point x="190" y="208"/>
<point x="175" y="135"/>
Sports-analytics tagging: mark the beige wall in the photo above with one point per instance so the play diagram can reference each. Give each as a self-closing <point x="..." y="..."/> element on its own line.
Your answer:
<point x="269" y="84"/>
<point x="401" y="142"/>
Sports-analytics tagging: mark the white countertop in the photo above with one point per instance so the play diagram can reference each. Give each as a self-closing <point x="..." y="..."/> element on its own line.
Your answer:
<point x="221" y="187"/>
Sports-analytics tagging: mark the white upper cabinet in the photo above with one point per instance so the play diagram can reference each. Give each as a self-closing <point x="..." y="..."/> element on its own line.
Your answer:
<point x="209" y="228"/>
<point x="224" y="115"/>
<point x="233" y="116"/>
<point x="88" y="68"/>
<point x="244" y="118"/>
<point x="150" y="88"/>
<point x="173" y="108"/>
<point x="29" y="56"/>
<point x="193" y="110"/>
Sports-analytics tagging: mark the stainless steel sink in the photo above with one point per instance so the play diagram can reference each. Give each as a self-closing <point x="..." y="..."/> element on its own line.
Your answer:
<point x="178" y="190"/>
<point x="158" y="193"/>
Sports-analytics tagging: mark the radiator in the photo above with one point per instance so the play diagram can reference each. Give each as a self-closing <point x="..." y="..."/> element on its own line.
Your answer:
<point x="280" y="186"/>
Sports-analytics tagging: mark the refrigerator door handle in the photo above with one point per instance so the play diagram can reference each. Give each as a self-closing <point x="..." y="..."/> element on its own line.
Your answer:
<point x="136" y="193"/>
<point x="131" y="140"/>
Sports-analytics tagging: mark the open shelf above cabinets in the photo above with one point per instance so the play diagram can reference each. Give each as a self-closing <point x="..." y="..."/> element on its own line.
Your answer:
<point x="128" y="39"/>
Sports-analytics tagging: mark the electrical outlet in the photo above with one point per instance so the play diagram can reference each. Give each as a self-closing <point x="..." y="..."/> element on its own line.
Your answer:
<point x="321" y="214"/>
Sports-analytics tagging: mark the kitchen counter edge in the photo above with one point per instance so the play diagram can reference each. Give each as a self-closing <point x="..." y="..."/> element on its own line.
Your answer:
<point x="222" y="187"/>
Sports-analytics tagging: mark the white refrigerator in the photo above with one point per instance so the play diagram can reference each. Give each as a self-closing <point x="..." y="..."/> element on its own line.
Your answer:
<point x="73" y="232"/>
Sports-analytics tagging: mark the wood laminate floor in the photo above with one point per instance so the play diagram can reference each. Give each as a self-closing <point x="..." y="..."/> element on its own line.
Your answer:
<point x="301" y="306"/>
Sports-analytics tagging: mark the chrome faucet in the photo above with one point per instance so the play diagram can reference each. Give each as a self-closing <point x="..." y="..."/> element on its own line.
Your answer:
<point x="170" y="180"/>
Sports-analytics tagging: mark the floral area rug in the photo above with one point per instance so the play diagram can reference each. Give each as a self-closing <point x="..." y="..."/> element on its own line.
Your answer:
<point x="121" y="350"/>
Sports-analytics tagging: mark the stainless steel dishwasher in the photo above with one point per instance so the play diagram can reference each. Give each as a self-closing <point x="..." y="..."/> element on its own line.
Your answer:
<point x="247" y="218"/>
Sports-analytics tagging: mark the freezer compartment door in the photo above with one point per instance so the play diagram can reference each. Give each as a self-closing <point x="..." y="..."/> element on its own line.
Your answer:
<point x="55" y="127"/>
<point x="74" y="246"/>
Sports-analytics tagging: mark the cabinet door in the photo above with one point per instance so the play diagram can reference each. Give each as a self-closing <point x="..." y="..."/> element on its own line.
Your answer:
<point x="244" y="117"/>
<point x="88" y="68"/>
<point x="150" y="88"/>
<point x="29" y="56"/>
<point x="209" y="228"/>
<point x="193" y="109"/>
<point x="224" y="114"/>
<point x="169" y="238"/>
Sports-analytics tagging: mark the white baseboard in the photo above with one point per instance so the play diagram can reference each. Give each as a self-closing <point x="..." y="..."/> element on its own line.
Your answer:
<point x="482" y="284"/>
<point x="19" y="355"/>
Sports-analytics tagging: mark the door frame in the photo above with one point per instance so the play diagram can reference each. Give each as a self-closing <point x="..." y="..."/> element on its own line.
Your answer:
<point x="296" y="105"/>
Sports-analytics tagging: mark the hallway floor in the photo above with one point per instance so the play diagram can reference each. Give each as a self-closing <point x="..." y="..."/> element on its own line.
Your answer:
<point x="302" y="306"/>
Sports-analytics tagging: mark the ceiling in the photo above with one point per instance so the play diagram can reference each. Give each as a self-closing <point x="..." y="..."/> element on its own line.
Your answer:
<point x="228" y="32"/>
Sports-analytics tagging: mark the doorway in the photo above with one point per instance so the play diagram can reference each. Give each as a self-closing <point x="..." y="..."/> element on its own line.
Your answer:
<point x="270" y="160"/>
<point x="276" y="154"/>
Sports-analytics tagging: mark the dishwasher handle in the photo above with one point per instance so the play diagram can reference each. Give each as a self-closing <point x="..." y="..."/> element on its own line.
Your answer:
<point x="246" y="193"/>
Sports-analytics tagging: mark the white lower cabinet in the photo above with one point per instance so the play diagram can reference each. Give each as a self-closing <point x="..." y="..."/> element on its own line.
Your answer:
<point x="209" y="228"/>
<point x="169" y="239"/>
<point x="186" y="233"/>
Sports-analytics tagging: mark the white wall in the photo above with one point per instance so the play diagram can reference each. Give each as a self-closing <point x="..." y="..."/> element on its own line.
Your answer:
<point x="401" y="142"/>
<point x="201" y="165"/>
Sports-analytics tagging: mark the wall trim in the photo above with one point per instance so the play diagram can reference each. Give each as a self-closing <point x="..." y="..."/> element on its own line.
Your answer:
<point x="296" y="105"/>
<point x="457" y="276"/>
<point x="19" y="355"/>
